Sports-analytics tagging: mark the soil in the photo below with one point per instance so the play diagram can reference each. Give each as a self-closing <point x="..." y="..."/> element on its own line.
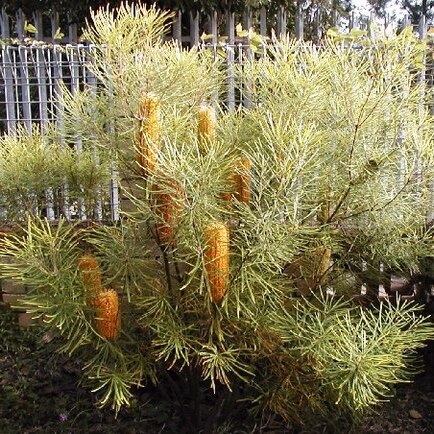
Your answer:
<point x="40" y="393"/>
<point x="410" y="411"/>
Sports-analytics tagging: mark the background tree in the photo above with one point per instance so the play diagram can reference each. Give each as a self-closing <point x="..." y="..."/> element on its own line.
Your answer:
<point x="418" y="8"/>
<point x="319" y="14"/>
<point x="380" y="7"/>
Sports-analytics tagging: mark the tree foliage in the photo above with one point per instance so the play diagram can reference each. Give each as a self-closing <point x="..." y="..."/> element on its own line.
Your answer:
<point x="340" y="153"/>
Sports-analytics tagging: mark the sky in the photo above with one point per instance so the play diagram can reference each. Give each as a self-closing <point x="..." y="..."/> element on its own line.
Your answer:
<point x="363" y="7"/>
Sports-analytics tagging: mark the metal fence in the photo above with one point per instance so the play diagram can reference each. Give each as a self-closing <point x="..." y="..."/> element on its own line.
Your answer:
<point x="32" y="78"/>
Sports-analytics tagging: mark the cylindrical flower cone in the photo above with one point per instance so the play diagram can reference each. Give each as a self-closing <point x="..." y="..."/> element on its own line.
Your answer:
<point x="107" y="314"/>
<point x="149" y="132"/>
<point x="217" y="259"/>
<point x="167" y="208"/>
<point x="227" y="195"/>
<point x="90" y="274"/>
<point x="242" y="191"/>
<point x="206" y="127"/>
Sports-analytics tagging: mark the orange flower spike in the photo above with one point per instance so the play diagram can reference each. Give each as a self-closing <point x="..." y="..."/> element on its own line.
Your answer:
<point x="167" y="210"/>
<point x="217" y="259"/>
<point x="90" y="274"/>
<point x="206" y="127"/>
<point x="107" y="314"/>
<point x="149" y="133"/>
<point x="242" y="180"/>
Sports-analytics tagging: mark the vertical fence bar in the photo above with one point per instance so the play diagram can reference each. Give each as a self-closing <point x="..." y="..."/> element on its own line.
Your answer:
<point x="8" y="77"/>
<point x="422" y="95"/>
<point x="56" y="95"/>
<point x="91" y="81"/>
<point x="230" y="78"/>
<point x="73" y="64"/>
<point x="41" y="76"/>
<point x="25" y="87"/>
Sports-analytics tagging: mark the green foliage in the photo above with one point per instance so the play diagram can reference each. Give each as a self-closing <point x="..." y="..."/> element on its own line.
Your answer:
<point x="36" y="169"/>
<point x="341" y="152"/>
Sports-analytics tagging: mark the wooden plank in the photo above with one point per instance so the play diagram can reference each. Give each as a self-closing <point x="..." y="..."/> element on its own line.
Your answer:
<point x="334" y="18"/>
<point x="177" y="26"/>
<point x="299" y="24"/>
<point x="230" y="27"/>
<point x="246" y="55"/>
<point x="54" y="19"/>
<point x="283" y="22"/>
<point x="352" y="23"/>
<point x="263" y="21"/>
<point x="194" y="28"/>
<point x="72" y="31"/>
<point x="247" y="18"/>
<point x="4" y="24"/>
<point x="19" y="25"/>
<point x="213" y="28"/>
<point x="38" y="23"/>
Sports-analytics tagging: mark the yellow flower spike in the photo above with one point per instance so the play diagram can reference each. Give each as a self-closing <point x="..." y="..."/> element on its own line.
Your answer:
<point x="90" y="274"/>
<point x="216" y="236"/>
<point x="167" y="208"/>
<point x="206" y="127"/>
<point x="107" y="314"/>
<point x="239" y="182"/>
<point x="149" y="132"/>
<point x="242" y="180"/>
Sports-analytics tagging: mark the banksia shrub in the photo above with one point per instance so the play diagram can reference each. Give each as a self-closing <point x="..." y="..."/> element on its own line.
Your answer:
<point x="206" y="131"/>
<point x="107" y="314"/>
<point x="217" y="259"/>
<point x="149" y="133"/>
<point x="322" y="129"/>
<point x="90" y="274"/>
